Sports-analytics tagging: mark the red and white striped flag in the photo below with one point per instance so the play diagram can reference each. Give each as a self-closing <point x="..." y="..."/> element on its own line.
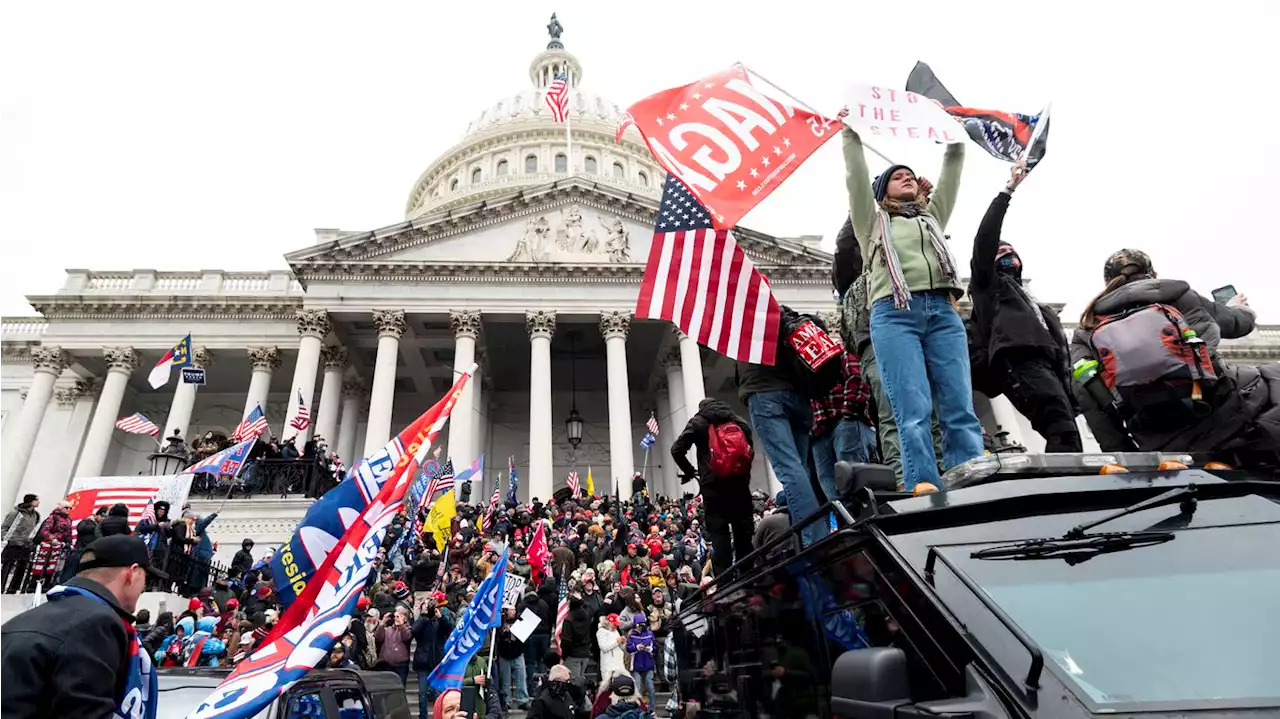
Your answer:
<point x="562" y="613"/>
<point x="575" y="484"/>
<point x="137" y="423"/>
<point x="493" y="508"/>
<point x="558" y="98"/>
<point x="136" y="497"/>
<point x="148" y="512"/>
<point x="253" y="424"/>
<point x="302" y="419"/>
<point x="652" y="425"/>
<point x="700" y="279"/>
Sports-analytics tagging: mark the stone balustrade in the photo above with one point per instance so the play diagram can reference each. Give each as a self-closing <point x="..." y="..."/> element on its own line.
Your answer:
<point x="203" y="282"/>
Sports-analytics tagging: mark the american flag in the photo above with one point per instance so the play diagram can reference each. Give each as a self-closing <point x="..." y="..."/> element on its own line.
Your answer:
<point x="652" y="425"/>
<point x="302" y="419"/>
<point x="493" y="508"/>
<point x="253" y="424"/>
<point x="137" y="423"/>
<point x="441" y="482"/>
<point x="558" y="98"/>
<point x="575" y="484"/>
<point x="701" y="280"/>
<point x="148" y="512"/>
<point x="562" y="613"/>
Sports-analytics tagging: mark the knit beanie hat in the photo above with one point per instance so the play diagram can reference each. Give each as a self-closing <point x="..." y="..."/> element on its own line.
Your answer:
<point x="880" y="185"/>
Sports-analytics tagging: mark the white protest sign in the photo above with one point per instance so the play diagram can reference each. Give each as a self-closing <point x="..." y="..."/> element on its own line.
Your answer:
<point x="886" y="112"/>
<point x="525" y="625"/>
<point x="86" y="494"/>
<point x="514" y="590"/>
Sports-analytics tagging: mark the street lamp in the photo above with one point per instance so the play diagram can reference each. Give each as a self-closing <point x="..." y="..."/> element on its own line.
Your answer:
<point x="573" y="427"/>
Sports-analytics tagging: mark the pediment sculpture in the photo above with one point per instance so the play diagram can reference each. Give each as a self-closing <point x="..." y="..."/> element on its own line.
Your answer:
<point x="571" y="241"/>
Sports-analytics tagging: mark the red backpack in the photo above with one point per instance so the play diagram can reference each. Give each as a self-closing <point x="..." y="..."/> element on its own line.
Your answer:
<point x="730" y="452"/>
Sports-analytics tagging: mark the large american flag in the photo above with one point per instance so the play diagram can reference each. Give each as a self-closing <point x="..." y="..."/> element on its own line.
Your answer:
<point x="701" y="280"/>
<point x="562" y="613"/>
<point x="575" y="484"/>
<point x="558" y="98"/>
<point x="137" y="423"/>
<point x="302" y="419"/>
<point x="253" y="424"/>
<point x="493" y="507"/>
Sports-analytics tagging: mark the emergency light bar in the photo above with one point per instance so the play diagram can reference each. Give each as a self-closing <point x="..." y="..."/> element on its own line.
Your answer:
<point x="1011" y="466"/>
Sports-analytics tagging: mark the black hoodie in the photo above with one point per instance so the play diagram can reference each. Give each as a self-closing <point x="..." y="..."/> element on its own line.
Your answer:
<point x="710" y="412"/>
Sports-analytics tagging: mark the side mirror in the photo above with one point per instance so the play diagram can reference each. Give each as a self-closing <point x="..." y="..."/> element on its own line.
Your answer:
<point x="870" y="683"/>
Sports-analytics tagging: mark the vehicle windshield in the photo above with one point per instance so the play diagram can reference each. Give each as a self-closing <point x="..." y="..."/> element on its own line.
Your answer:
<point x="1193" y="619"/>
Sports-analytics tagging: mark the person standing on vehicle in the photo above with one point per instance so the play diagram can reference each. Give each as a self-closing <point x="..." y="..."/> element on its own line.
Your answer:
<point x="1023" y="341"/>
<point x="78" y="655"/>
<point x="727" y="493"/>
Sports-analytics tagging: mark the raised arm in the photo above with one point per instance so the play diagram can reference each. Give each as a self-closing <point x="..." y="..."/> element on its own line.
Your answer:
<point x="948" y="187"/>
<point x="987" y="241"/>
<point x="862" y="202"/>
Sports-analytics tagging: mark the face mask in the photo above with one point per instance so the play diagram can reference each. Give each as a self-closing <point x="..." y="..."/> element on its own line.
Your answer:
<point x="1007" y="263"/>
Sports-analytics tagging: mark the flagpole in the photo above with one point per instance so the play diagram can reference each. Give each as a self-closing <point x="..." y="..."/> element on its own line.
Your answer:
<point x="806" y="106"/>
<point x="568" y="140"/>
<point x="1041" y="124"/>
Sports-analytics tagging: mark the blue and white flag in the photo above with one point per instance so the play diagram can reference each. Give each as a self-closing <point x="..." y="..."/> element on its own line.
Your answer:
<point x="484" y="613"/>
<point x="648" y="441"/>
<point x="226" y="463"/>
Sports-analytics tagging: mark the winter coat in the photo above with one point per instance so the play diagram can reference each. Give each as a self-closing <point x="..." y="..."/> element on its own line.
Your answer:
<point x="710" y="412"/>
<point x="393" y="644"/>
<point x="755" y="378"/>
<point x="242" y="561"/>
<point x="56" y="528"/>
<point x="612" y="654"/>
<point x="476" y="667"/>
<point x="20" y="525"/>
<point x="576" y="636"/>
<point x="538" y="603"/>
<point x="430" y="635"/>
<point x="641" y="659"/>
<point x="113" y="525"/>
<point x="556" y="700"/>
<point x="1245" y="396"/>
<point x="202" y="640"/>
<point x="204" y="545"/>
<point x="910" y="236"/>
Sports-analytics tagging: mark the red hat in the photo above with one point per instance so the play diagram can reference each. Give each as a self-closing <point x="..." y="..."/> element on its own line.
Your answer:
<point x="440" y="597"/>
<point x="194" y="604"/>
<point x="662" y="563"/>
<point x="614" y="619"/>
<point x="233" y="603"/>
<point x="362" y="603"/>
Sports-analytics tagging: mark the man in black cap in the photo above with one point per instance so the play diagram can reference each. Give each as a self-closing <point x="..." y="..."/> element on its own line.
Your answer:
<point x="623" y="701"/>
<point x="78" y="654"/>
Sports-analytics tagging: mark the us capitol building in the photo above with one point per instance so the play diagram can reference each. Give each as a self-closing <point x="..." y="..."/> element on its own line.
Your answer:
<point x="510" y="255"/>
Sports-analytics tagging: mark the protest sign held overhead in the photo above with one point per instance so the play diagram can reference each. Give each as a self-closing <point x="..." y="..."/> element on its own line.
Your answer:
<point x="731" y="138"/>
<point x="898" y="114"/>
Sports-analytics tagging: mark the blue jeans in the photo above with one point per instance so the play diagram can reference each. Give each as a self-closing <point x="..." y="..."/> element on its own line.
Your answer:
<point x="426" y="695"/>
<point x="512" y="686"/>
<point x="849" y="441"/>
<point x="782" y="419"/>
<point x="644" y="682"/>
<point x="923" y="354"/>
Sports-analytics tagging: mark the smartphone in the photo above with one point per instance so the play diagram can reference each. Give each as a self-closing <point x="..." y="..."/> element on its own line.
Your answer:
<point x="1224" y="293"/>
<point x="468" y="705"/>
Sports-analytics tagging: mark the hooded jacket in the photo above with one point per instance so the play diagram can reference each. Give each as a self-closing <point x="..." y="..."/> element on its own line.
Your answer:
<point x="641" y="660"/>
<point x="210" y="648"/>
<point x="710" y="412"/>
<point x="1003" y="318"/>
<point x="577" y="635"/>
<point x="20" y="525"/>
<point x="846" y="268"/>
<point x="1242" y="394"/>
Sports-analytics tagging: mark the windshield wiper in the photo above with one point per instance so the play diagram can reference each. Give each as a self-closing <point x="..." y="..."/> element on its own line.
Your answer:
<point x="1077" y="545"/>
<point x="1079" y="548"/>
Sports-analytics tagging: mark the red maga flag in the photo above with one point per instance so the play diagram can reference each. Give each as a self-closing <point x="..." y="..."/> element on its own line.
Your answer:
<point x="699" y="279"/>
<point x="730" y="137"/>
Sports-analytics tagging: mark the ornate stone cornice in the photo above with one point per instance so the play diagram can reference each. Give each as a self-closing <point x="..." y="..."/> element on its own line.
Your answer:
<point x="390" y="323"/>
<point x="334" y="357"/>
<point x="521" y="273"/>
<point x="540" y="323"/>
<point x="16" y="354"/>
<point x="264" y="358"/>
<point x="615" y="324"/>
<point x="124" y="359"/>
<point x="201" y="358"/>
<point x="353" y="389"/>
<point x="313" y="323"/>
<point x="67" y="397"/>
<point x="49" y="358"/>
<point x="231" y="309"/>
<point x="465" y="323"/>
<point x="671" y="358"/>
<point x="677" y="334"/>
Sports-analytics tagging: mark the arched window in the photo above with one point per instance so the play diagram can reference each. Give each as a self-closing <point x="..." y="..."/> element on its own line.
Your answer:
<point x="502" y="167"/>
<point x="453" y="186"/>
<point x="475" y="176"/>
<point x="562" y="163"/>
<point x="590" y="165"/>
<point x="531" y="164"/>
<point x="644" y="179"/>
<point x="618" y="171"/>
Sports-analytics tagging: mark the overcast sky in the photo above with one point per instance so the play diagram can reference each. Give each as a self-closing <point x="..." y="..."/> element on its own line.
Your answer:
<point x="183" y="136"/>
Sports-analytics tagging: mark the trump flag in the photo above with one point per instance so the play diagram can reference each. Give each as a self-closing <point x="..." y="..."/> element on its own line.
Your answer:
<point x="322" y="612"/>
<point x="484" y="613"/>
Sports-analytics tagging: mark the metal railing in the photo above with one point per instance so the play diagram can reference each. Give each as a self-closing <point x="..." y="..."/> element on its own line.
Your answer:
<point x="270" y="477"/>
<point x="32" y="568"/>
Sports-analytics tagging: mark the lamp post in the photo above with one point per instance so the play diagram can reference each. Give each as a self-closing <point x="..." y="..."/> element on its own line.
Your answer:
<point x="573" y="425"/>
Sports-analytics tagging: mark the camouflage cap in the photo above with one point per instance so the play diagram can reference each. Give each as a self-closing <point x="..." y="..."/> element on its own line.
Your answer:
<point x="1119" y="261"/>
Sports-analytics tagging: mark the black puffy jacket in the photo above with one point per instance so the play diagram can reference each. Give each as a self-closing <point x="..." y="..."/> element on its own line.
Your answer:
<point x="710" y="412"/>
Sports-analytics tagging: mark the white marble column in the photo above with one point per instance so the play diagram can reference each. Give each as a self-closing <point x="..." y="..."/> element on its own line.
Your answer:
<point x="680" y="411"/>
<point x="48" y="363"/>
<point x="670" y="474"/>
<point x="335" y="364"/>
<point x="462" y="425"/>
<point x="478" y="408"/>
<point x="184" y="398"/>
<point x="615" y="326"/>
<point x="346" y="447"/>
<point x="391" y="326"/>
<point x="541" y="325"/>
<point x="121" y="361"/>
<point x="691" y="371"/>
<point x="313" y="326"/>
<point x="264" y="361"/>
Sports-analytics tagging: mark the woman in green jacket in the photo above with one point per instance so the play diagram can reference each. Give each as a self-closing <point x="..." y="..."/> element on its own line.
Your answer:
<point x="913" y="286"/>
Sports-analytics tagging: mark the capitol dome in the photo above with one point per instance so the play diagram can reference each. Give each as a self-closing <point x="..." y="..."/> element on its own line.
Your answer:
<point x="515" y="143"/>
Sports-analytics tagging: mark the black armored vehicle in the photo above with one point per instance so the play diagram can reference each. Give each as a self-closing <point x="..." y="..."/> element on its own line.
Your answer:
<point x="1130" y="585"/>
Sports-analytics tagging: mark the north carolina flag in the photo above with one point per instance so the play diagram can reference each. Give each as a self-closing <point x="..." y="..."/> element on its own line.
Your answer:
<point x="178" y="356"/>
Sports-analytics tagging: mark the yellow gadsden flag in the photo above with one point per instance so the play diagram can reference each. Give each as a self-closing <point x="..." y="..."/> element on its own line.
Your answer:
<point x="439" y="519"/>
<point x="591" y="483"/>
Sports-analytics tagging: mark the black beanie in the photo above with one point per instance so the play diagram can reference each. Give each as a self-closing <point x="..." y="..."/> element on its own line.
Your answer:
<point x="881" y="184"/>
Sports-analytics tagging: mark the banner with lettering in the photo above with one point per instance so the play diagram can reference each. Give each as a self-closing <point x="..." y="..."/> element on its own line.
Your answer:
<point x="898" y="114"/>
<point x="484" y="613"/>
<point x="322" y="612"/>
<point x="87" y="494"/>
<point x="731" y="138"/>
